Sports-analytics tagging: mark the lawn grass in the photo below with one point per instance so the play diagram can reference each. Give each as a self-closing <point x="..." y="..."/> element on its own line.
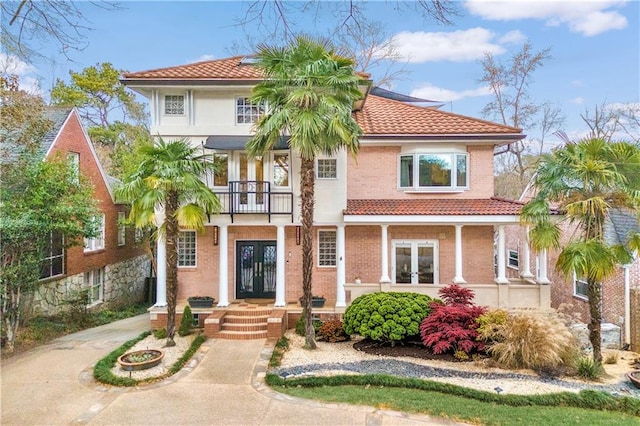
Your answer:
<point x="466" y="405"/>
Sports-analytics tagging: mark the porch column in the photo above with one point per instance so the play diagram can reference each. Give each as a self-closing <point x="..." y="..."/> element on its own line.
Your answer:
<point x="223" y="265"/>
<point x="340" y="270"/>
<point x="384" y="267"/>
<point x="542" y="267"/>
<point x="458" y="279"/>
<point x="526" y="254"/>
<point x="627" y="305"/>
<point x="502" y="248"/>
<point x="161" y="273"/>
<point x="280" y="273"/>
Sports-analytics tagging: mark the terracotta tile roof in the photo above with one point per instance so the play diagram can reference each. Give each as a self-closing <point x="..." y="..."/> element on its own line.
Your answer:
<point x="434" y="207"/>
<point x="217" y="69"/>
<point x="381" y="116"/>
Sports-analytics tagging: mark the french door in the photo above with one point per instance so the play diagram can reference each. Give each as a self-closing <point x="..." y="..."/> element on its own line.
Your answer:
<point x="255" y="269"/>
<point x="252" y="197"/>
<point x="415" y="261"/>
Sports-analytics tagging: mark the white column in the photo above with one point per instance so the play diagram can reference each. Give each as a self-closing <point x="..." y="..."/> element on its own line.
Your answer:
<point x="223" y="264"/>
<point x="458" y="279"/>
<point x="502" y="248"/>
<point x="341" y="269"/>
<point x="627" y="306"/>
<point x="280" y="271"/>
<point x="526" y="255"/>
<point x="542" y="266"/>
<point x="384" y="264"/>
<point x="161" y="273"/>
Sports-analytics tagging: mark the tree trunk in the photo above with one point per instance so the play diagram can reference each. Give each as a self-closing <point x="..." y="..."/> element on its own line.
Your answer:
<point x="307" y="201"/>
<point x="594" y="294"/>
<point x="171" y="241"/>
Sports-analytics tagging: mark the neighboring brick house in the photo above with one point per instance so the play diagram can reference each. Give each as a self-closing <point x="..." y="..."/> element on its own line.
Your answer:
<point x="414" y="212"/>
<point x="112" y="266"/>
<point x="569" y="294"/>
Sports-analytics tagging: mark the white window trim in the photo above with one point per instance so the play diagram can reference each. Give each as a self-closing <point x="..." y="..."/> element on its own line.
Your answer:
<point x="89" y="278"/>
<point x="416" y="173"/>
<point x="49" y="258"/>
<point x="122" y="230"/>
<point x="184" y="105"/>
<point x="318" y="177"/>
<point x="195" y="249"/>
<point x="273" y="163"/>
<point x="335" y="233"/>
<point x="509" y="258"/>
<point x="90" y="244"/>
<point x="229" y="155"/>
<point x="235" y="112"/>
<point x="575" y="286"/>
<point x="414" y="245"/>
<point x="73" y="158"/>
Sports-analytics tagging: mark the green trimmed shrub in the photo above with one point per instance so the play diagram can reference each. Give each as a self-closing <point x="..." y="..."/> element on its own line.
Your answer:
<point x="186" y="322"/>
<point x="388" y="317"/>
<point x="300" y="325"/>
<point x="160" y="333"/>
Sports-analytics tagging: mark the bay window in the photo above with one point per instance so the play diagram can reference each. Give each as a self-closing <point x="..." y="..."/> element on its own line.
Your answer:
<point x="437" y="171"/>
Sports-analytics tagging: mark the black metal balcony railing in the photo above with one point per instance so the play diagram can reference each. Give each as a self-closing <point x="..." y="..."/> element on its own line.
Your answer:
<point x="255" y="197"/>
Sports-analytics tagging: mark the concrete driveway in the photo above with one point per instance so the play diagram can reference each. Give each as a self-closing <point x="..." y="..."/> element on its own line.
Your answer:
<point x="52" y="385"/>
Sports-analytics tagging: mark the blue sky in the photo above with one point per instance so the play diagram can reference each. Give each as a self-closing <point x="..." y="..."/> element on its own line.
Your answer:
<point x="595" y="47"/>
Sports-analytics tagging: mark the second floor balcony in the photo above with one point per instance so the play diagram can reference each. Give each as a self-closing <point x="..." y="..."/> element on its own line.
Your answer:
<point x="255" y="197"/>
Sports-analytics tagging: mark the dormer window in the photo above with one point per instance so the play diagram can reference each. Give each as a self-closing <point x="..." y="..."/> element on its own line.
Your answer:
<point x="433" y="171"/>
<point x="174" y="105"/>
<point x="248" y="112"/>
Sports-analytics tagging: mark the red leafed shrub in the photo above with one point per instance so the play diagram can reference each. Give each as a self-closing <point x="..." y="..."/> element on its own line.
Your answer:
<point x="332" y="331"/>
<point x="451" y="327"/>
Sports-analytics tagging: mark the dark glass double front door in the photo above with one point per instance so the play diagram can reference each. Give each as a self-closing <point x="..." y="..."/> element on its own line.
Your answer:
<point x="255" y="269"/>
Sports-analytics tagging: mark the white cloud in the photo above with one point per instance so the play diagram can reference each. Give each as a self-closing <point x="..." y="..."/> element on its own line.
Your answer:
<point x="11" y="65"/>
<point x="577" y="83"/>
<point x="513" y="37"/>
<point x="457" y="46"/>
<point x="429" y="91"/>
<point x="579" y="100"/>
<point x="586" y="17"/>
<point x="205" y="57"/>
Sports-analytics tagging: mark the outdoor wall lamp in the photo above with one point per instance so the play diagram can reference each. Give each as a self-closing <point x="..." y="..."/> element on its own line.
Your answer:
<point x="216" y="233"/>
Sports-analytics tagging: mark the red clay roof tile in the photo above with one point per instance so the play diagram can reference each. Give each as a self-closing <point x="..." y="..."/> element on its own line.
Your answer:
<point x="433" y="207"/>
<point x="217" y="69"/>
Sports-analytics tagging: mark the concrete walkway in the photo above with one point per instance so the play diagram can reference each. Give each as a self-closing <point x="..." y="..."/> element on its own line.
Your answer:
<point x="52" y="385"/>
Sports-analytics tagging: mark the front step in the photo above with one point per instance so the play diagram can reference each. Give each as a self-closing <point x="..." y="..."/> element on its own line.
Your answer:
<point x="239" y="324"/>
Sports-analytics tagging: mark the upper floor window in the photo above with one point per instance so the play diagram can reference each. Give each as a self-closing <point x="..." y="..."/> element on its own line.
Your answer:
<point x="221" y="173"/>
<point x="433" y="171"/>
<point x="187" y="248"/>
<point x="281" y="169"/>
<point x="327" y="248"/>
<point x="248" y="112"/>
<point x="174" y="104"/>
<point x="97" y="242"/>
<point x="53" y="261"/>
<point x="122" y="230"/>
<point x="73" y="159"/>
<point x="327" y="168"/>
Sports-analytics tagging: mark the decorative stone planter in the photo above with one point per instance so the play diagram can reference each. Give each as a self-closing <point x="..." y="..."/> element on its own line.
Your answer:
<point x="201" y="302"/>
<point x="140" y="360"/>
<point x="316" y="301"/>
<point x="634" y="377"/>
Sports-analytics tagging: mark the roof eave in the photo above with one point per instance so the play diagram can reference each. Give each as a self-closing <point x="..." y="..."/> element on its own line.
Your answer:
<point x="502" y="138"/>
<point x="187" y="82"/>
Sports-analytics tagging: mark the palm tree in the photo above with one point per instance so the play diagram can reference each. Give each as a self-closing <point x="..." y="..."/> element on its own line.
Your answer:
<point x="583" y="181"/>
<point x="170" y="178"/>
<point x="309" y="91"/>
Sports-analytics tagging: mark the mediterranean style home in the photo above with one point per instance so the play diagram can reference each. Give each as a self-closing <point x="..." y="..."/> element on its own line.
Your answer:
<point x="111" y="266"/>
<point x="415" y="211"/>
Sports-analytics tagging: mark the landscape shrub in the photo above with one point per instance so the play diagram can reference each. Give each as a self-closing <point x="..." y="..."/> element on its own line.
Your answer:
<point x="451" y="327"/>
<point x="587" y="369"/>
<point x="490" y="325"/>
<point x="388" y="317"/>
<point x="186" y="322"/>
<point x="539" y="342"/>
<point x="160" y="333"/>
<point x="300" y="331"/>
<point x="332" y="331"/>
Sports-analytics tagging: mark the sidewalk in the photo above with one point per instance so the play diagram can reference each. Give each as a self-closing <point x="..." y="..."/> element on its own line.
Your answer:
<point x="45" y="386"/>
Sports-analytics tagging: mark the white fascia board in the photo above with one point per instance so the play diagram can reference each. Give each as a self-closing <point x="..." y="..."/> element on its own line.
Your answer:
<point x="433" y="220"/>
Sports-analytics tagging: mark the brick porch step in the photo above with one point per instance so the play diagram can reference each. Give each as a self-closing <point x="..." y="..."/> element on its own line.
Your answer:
<point x="242" y="335"/>
<point x="241" y="324"/>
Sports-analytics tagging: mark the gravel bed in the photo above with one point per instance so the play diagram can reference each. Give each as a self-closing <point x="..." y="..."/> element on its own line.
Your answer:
<point x="341" y="358"/>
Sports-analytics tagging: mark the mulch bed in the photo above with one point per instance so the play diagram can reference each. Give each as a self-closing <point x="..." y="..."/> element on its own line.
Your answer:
<point x="413" y="349"/>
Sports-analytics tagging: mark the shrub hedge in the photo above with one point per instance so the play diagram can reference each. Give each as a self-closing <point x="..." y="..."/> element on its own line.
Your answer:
<point x="388" y="317"/>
